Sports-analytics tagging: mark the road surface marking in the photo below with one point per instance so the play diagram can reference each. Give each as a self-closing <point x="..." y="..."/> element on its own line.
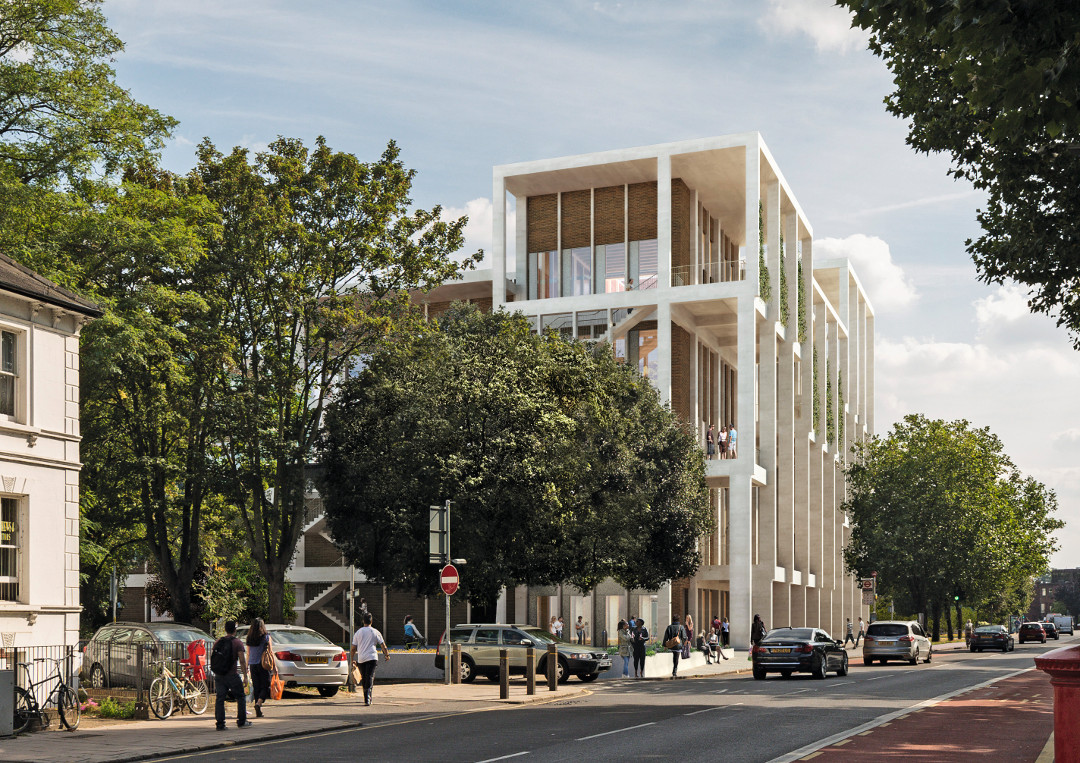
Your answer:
<point x="710" y="709"/>
<point x="617" y="731"/>
<point x="505" y="757"/>
<point x="833" y="740"/>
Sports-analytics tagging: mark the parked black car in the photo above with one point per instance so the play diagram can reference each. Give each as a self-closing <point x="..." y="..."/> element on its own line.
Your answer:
<point x="1051" y="630"/>
<point x="992" y="637"/>
<point x="799" y="650"/>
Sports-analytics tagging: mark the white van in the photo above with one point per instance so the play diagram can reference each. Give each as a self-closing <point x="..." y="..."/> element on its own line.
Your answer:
<point x="1064" y="623"/>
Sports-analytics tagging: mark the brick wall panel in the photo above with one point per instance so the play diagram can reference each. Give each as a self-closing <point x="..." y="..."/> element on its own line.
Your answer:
<point x="609" y="215"/>
<point x="542" y="213"/>
<point x="319" y="552"/>
<point x="576" y="211"/>
<point x="641" y="201"/>
<point x="680" y="372"/>
<point x="680" y="224"/>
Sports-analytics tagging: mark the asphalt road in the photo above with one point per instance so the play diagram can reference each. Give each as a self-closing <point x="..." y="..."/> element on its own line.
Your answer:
<point x="729" y="717"/>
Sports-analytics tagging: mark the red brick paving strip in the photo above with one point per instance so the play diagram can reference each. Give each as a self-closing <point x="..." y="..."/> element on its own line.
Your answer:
<point x="1008" y="721"/>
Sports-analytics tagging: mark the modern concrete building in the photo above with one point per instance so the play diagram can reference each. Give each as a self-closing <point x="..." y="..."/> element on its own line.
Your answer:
<point x="695" y="260"/>
<point x="39" y="458"/>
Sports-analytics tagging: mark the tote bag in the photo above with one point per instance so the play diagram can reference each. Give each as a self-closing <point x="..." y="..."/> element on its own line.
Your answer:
<point x="277" y="686"/>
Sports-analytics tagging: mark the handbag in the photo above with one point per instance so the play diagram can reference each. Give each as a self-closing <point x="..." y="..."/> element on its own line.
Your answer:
<point x="277" y="686"/>
<point x="356" y="675"/>
<point x="267" y="659"/>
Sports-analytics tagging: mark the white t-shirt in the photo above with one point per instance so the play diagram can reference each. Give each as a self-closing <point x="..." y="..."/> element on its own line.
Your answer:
<point x="367" y="641"/>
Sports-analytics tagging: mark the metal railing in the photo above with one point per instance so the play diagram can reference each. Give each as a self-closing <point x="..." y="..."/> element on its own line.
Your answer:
<point x="713" y="272"/>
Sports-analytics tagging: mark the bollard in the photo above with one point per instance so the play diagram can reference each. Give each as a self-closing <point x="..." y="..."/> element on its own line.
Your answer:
<point x="455" y="664"/>
<point x="504" y="674"/>
<point x="530" y="671"/>
<point x="1063" y="666"/>
<point x="552" y="668"/>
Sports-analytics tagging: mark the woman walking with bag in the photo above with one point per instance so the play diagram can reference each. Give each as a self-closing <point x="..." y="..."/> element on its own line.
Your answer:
<point x="261" y="663"/>
<point x="626" y="648"/>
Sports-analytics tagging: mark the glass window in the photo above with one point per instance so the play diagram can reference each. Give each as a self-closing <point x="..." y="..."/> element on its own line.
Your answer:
<point x="592" y="324"/>
<point x="644" y="259"/>
<point x="561" y="323"/>
<point x="642" y="352"/>
<point x="543" y="275"/>
<point x="8" y="373"/>
<point x="9" y="549"/>
<point x="577" y="271"/>
<point x="611" y="264"/>
<point x="487" y="636"/>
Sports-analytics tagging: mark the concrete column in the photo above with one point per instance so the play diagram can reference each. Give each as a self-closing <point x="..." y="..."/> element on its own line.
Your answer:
<point x="663" y="345"/>
<point x="696" y="387"/>
<point x="498" y="242"/>
<point x="521" y="239"/>
<point x="750" y="244"/>
<point x="742" y="599"/>
<point x="663" y="221"/>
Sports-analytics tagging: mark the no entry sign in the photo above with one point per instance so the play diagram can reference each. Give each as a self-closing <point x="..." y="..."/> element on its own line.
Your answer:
<point x="448" y="579"/>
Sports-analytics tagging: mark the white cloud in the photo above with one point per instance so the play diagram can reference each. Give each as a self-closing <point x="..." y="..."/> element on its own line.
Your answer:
<point x="478" y="229"/>
<point x="1004" y="318"/>
<point x="1068" y="438"/>
<point x="826" y="24"/>
<point x="885" y="281"/>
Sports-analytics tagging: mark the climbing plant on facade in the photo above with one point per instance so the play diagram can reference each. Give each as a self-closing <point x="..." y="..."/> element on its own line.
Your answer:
<point x="830" y="409"/>
<point x="784" y="310"/>
<point x="840" y="408"/>
<point x="817" y="395"/>
<point x="800" y="294"/>
<point x="764" y="287"/>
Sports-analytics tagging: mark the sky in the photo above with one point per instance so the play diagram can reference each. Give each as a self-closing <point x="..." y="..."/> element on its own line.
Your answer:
<point x="463" y="86"/>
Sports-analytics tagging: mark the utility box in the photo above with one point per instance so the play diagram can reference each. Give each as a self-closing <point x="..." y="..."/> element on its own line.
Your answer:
<point x="7" y="702"/>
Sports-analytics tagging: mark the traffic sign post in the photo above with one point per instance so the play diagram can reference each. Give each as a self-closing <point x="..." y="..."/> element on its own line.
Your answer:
<point x="448" y="579"/>
<point x="439" y="553"/>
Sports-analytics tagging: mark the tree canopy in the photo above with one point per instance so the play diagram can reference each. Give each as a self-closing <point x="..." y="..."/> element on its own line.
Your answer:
<point x="997" y="87"/>
<point x="938" y="510"/>
<point x="561" y="464"/>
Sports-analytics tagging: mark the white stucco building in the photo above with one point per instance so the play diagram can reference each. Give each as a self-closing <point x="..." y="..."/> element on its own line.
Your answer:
<point x="657" y="250"/>
<point x="39" y="458"/>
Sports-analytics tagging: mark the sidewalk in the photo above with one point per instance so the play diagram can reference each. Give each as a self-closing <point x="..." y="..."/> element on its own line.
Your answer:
<point x="1011" y="720"/>
<point x="139" y="740"/>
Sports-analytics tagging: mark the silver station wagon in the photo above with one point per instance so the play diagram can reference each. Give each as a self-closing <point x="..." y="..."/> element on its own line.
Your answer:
<point x="896" y="640"/>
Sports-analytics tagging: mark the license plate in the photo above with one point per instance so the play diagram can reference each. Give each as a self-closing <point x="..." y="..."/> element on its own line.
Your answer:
<point x="781" y="651"/>
<point x="317" y="660"/>
<point x="886" y="643"/>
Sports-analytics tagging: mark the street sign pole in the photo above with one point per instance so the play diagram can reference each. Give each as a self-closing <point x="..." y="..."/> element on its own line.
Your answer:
<point x="439" y="553"/>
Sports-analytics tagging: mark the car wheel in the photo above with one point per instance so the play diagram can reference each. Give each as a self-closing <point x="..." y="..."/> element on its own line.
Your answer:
<point x="759" y="675"/>
<point x="915" y="659"/>
<point x="972" y="649"/>
<point x="785" y="674"/>
<point x="820" y="669"/>
<point x="562" y="672"/>
<point x="468" y="669"/>
<point x="930" y="654"/>
<point x="328" y="691"/>
<point x="588" y="677"/>
<point x="868" y="661"/>
<point x="842" y="671"/>
<point x="97" y="676"/>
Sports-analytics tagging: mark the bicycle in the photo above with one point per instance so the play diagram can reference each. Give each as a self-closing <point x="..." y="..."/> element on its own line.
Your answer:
<point x="63" y="697"/>
<point x="167" y="690"/>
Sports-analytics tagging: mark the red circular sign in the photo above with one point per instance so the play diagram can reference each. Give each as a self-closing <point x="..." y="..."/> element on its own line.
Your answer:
<point x="448" y="579"/>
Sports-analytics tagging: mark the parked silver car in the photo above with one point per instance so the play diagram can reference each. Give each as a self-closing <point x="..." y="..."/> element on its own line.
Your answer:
<point x="111" y="658"/>
<point x="896" y="640"/>
<point x="306" y="657"/>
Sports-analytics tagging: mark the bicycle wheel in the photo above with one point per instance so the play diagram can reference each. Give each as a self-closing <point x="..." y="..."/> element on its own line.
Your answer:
<point x="24" y="710"/>
<point x="196" y="695"/>
<point x="161" y="698"/>
<point x="70" y="710"/>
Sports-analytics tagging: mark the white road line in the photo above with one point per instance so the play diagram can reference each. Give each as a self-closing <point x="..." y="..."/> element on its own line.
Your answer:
<point x="802" y="752"/>
<point x="617" y="731"/>
<point x="875" y="678"/>
<point x="710" y="709"/>
<point x="505" y="757"/>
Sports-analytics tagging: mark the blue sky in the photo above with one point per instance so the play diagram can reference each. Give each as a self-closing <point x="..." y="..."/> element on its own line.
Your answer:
<point x="463" y="86"/>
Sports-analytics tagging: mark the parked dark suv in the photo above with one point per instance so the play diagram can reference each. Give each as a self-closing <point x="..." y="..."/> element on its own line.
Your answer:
<point x="481" y="642"/>
<point x="111" y="657"/>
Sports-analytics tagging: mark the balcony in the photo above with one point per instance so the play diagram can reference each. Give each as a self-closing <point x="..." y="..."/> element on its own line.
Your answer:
<point x="713" y="272"/>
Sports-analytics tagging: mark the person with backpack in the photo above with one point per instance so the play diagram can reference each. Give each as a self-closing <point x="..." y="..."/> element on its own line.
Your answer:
<point x="227" y="654"/>
<point x="674" y="638"/>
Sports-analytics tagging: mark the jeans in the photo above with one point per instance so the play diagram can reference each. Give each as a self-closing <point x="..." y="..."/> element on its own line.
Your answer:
<point x="367" y="677"/>
<point x="230" y="683"/>
<point x="675" y="655"/>
<point x="626" y="660"/>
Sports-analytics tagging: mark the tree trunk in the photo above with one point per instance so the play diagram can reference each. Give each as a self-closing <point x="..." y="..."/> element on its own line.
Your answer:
<point x="948" y="621"/>
<point x="935" y="609"/>
<point x="275" y="589"/>
<point x="959" y="620"/>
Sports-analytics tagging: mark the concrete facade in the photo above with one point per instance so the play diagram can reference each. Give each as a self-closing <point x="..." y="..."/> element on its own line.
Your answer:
<point x="696" y="316"/>
<point x="39" y="459"/>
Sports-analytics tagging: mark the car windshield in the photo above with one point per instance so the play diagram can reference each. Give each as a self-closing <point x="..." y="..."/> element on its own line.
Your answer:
<point x="988" y="629"/>
<point x="1031" y="626"/>
<point x="784" y="634"/>
<point x="540" y="635"/>
<point x="180" y="634"/>
<point x="886" y="629"/>
<point x="298" y="638"/>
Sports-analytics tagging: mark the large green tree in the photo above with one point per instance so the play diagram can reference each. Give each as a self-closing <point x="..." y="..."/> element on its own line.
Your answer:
<point x="317" y="255"/>
<point x="561" y="464"/>
<point x="938" y="510"/>
<point x="996" y="85"/>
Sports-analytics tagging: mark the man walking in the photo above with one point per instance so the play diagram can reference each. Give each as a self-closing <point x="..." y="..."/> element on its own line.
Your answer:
<point x="861" y="633"/>
<point x="674" y="637"/>
<point x="850" y="636"/>
<point x="364" y="651"/>
<point x="228" y="651"/>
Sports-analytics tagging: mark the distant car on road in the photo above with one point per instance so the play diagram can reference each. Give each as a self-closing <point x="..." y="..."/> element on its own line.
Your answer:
<point x="1032" y="632"/>
<point x="1051" y="630"/>
<point x="1064" y="623"/>
<point x="799" y="650"/>
<point x="992" y="637"/>
<point x="896" y="640"/>
<point x="481" y="642"/>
